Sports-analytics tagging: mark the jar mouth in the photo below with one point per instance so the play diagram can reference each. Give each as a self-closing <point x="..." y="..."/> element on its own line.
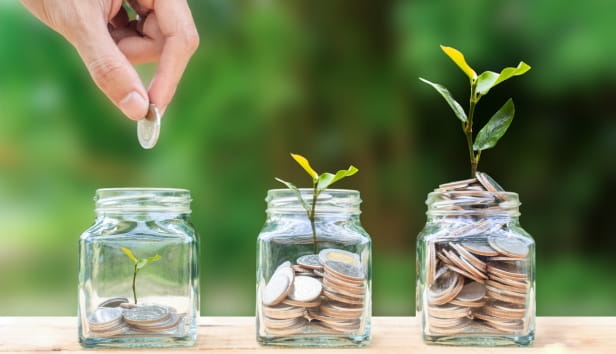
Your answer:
<point x="464" y="202"/>
<point x="142" y="200"/>
<point x="329" y="201"/>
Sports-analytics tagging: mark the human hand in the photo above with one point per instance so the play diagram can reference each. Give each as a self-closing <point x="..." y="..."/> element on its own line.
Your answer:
<point x="109" y="43"/>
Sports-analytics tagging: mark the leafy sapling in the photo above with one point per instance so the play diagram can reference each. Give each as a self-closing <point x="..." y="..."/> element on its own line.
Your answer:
<point x="481" y="84"/>
<point x="320" y="182"/>
<point x="138" y="265"/>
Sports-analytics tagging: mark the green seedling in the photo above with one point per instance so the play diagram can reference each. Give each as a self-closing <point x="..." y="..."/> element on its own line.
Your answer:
<point x="481" y="84"/>
<point x="320" y="182"/>
<point x="138" y="265"/>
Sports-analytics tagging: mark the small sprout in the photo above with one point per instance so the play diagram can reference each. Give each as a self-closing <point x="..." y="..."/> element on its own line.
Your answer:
<point x="319" y="184"/>
<point x="481" y="84"/>
<point x="138" y="265"/>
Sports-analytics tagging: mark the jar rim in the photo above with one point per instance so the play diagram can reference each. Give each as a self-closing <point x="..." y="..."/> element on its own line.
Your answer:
<point x="330" y="190"/>
<point x="141" y="189"/>
<point x="329" y="201"/>
<point x="141" y="199"/>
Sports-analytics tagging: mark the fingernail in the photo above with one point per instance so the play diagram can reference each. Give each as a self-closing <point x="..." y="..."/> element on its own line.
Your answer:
<point x="134" y="106"/>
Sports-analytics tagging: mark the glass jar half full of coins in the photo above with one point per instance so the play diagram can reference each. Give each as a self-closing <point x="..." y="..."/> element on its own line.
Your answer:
<point x="313" y="278"/>
<point x="476" y="267"/>
<point x="138" y="270"/>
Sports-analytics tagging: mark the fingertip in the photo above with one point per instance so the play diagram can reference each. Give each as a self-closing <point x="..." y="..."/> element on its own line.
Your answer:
<point x="134" y="106"/>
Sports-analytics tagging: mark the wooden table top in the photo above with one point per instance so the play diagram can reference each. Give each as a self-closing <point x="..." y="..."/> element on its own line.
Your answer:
<point x="389" y="335"/>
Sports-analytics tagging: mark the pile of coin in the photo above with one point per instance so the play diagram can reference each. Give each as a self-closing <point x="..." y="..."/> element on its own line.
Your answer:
<point x="322" y="293"/>
<point x="116" y="317"/>
<point x="476" y="272"/>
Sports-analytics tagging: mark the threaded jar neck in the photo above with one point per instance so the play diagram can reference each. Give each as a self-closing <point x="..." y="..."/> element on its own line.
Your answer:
<point x="329" y="201"/>
<point x="142" y="200"/>
<point x="473" y="203"/>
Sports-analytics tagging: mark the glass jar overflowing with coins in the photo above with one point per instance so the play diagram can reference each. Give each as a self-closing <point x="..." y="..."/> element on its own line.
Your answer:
<point x="138" y="270"/>
<point x="313" y="278"/>
<point x="476" y="267"/>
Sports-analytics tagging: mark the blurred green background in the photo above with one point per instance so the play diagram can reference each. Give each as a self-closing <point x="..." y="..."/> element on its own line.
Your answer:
<point x="336" y="81"/>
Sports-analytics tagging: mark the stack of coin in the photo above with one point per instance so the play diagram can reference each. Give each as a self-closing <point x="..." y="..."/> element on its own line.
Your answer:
<point x="107" y="322"/>
<point x="151" y="318"/>
<point x="476" y="272"/>
<point x="322" y="293"/>
<point x="116" y="316"/>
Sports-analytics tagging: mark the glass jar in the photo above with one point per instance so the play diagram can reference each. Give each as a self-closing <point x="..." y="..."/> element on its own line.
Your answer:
<point x="313" y="279"/>
<point x="138" y="270"/>
<point x="476" y="270"/>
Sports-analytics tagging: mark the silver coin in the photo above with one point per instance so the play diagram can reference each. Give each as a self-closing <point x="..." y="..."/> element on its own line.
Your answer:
<point x="508" y="246"/>
<point x="278" y="286"/>
<point x="105" y="317"/>
<point x="146" y="314"/>
<point x="310" y="261"/>
<point x="113" y="302"/>
<point x="148" y="128"/>
<point x="344" y="270"/>
<point x="491" y="185"/>
<point x="333" y="254"/>
<point x="305" y="289"/>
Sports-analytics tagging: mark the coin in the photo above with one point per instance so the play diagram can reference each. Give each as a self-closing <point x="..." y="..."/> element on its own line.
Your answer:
<point x="297" y="327"/>
<point x="448" y="311"/>
<point x="145" y="314"/>
<point x="148" y="128"/>
<point x="113" y="302"/>
<point x="310" y="261"/>
<point x="463" y="253"/>
<point x="511" y="247"/>
<point x="306" y="304"/>
<point x="283" y="311"/>
<point x="458" y="184"/>
<point x="305" y="289"/>
<point x="445" y="289"/>
<point x="334" y="254"/>
<point x="105" y="317"/>
<point x="472" y="291"/>
<point x="490" y="184"/>
<point x="344" y="270"/>
<point x="431" y="263"/>
<point x="278" y="286"/>
<point x="479" y="248"/>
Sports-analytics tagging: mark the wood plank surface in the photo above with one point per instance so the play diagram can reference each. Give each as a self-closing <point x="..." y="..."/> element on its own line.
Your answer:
<point x="389" y="335"/>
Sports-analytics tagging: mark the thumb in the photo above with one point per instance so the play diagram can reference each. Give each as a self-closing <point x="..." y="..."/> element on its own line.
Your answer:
<point x="112" y="72"/>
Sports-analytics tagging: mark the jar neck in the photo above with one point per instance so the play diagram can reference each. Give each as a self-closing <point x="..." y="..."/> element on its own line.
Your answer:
<point x="330" y="203"/>
<point x="142" y="201"/>
<point x="473" y="204"/>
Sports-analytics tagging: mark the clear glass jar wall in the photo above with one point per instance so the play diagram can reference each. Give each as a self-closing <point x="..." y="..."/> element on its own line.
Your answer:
<point x="313" y="292"/>
<point x="476" y="271"/>
<point x="138" y="270"/>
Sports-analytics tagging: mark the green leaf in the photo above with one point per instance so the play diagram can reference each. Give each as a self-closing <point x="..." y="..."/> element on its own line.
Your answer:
<point x="143" y="262"/>
<point x="298" y="194"/>
<point x="327" y="179"/>
<point x="130" y="255"/>
<point x="302" y="161"/>
<point x="489" y="79"/>
<point x="457" y="57"/>
<point x="455" y="106"/>
<point x="496" y="127"/>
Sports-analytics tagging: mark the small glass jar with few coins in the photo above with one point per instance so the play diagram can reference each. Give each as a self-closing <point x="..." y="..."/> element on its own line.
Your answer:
<point x="476" y="267"/>
<point x="138" y="270"/>
<point x="313" y="291"/>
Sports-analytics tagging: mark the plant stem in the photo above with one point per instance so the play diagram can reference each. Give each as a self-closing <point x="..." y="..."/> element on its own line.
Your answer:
<point x="135" y="278"/>
<point x="311" y="216"/>
<point x="468" y="131"/>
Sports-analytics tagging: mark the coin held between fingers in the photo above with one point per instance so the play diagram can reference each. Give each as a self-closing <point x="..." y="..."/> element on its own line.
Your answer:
<point x="148" y="129"/>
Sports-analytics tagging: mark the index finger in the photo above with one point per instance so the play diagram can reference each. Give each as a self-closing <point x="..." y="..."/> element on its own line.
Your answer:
<point x="181" y="41"/>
